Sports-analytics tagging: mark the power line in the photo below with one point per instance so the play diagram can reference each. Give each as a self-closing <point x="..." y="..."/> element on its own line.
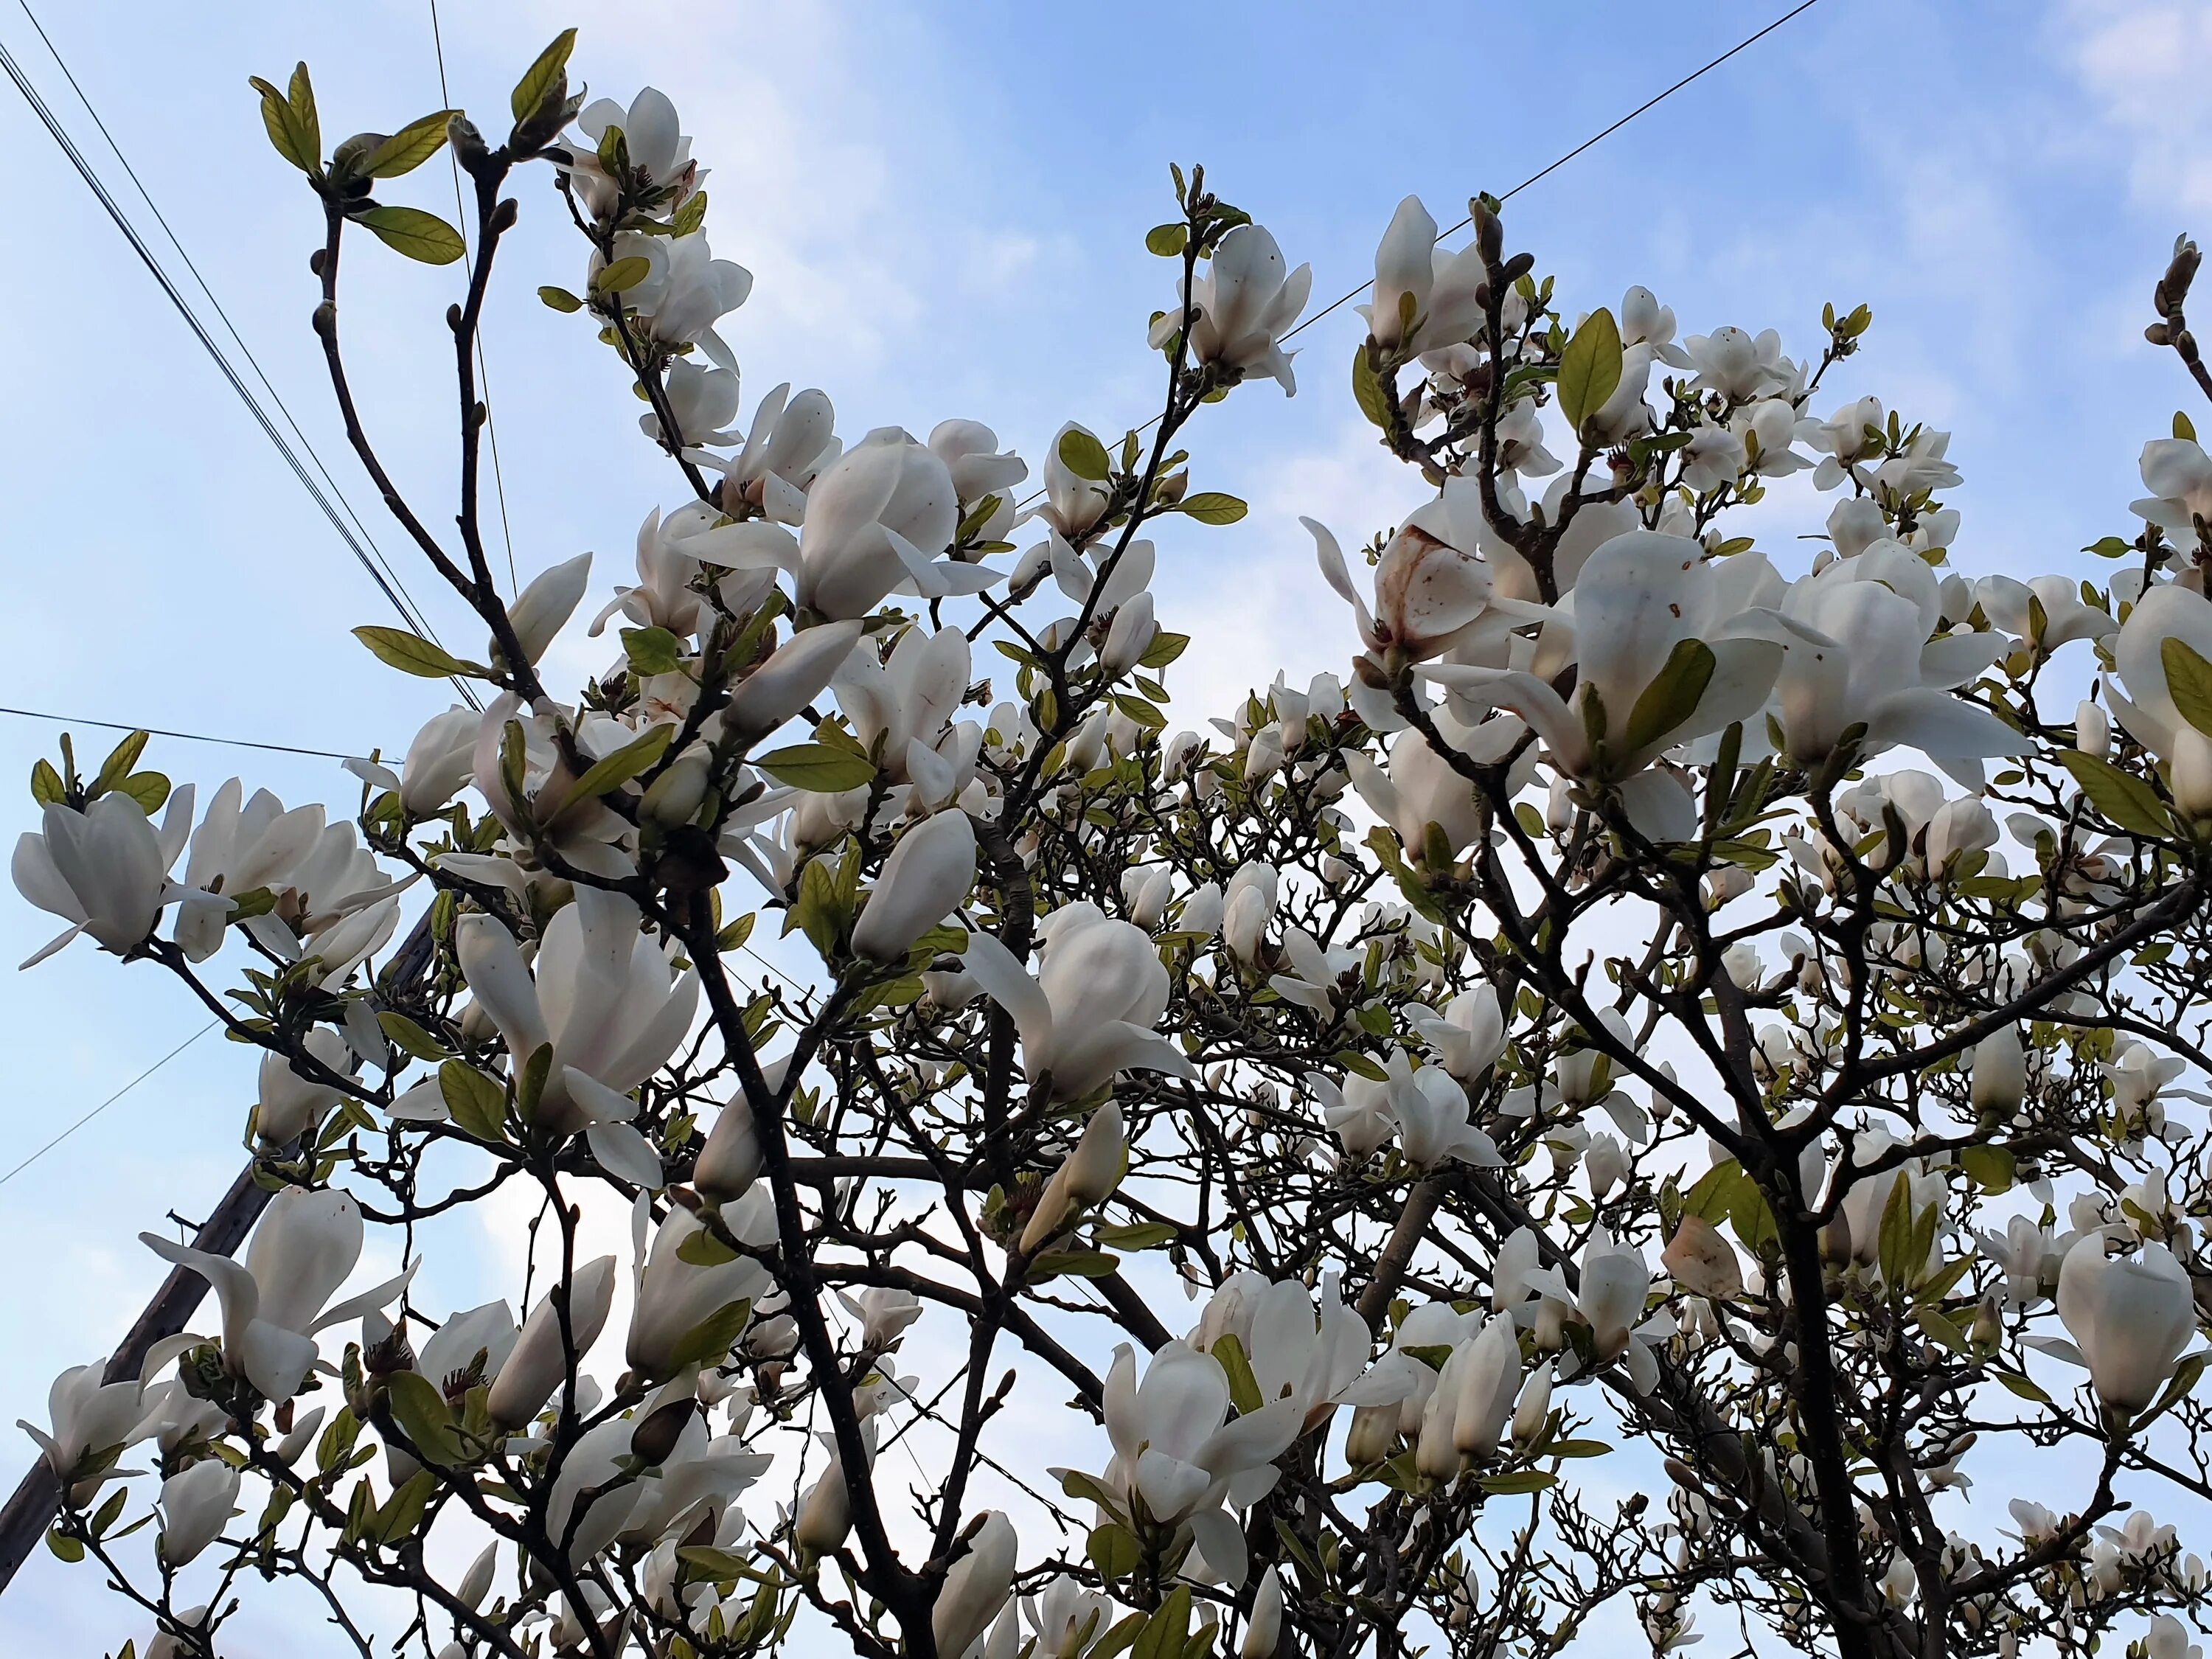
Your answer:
<point x="187" y="737"/>
<point x="390" y="586"/>
<point x="468" y="267"/>
<point x="1594" y="139"/>
<point x="110" y="1101"/>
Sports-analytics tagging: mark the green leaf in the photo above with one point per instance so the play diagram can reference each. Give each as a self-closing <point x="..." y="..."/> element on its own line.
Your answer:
<point x="417" y="234"/>
<point x="2023" y="1385"/>
<point x="1589" y="368"/>
<point x="1166" y="648"/>
<point x="1990" y="1168"/>
<point x="1163" y="1635"/>
<point x="720" y="1565"/>
<point x="2184" y="427"/>
<point x="284" y="131"/>
<point x="422" y="1413"/>
<point x="651" y="650"/>
<point x="1081" y="1264"/>
<point x="116" y="766"/>
<point x="1084" y="455"/>
<point x="68" y="1548"/>
<point x="1228" y="1351"/>
<point x="1167" y="241"/>
<point x="2126" y="800"/>
<point x="1672" y="697"/>
<point x="538" y="79"/>
<point x="478" y="1104"/>
<point x="1140" y="1236"/>
<point x="1367" y="389"/>
<point x="406" y="1034"/>
<point x="46" y="787"/>
<point x="1113" y="1550"/>
<point x="149" y="789"/>
<point x="1517" y="1480"/>
<point x="610" y="772"/>
<point x="409" y="148"/>
<point x="398" y="649"/>
<point x="403" y="1511"/>
<point x="712" y="1337"/>
<point x="302" y="97"/>
<point x="622" y="275"/>
<point x="703" y="1249"/>
<point x="817" y="768"/>
<point x="1211" y="507"/>
<point x="2188" y="678"/>
<point x="560" y="299"/>
<point x="1896" y="1238"/>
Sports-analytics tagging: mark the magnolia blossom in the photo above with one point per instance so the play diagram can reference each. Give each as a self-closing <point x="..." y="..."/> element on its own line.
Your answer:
<point x="1647" y="605"/>
<point x="2149" y="710"/>
<point x="2131" y="1317"/>
<point x="605" y="998"/>
<point x="659" y="155"/>
<point x="273" y="1302"/>
<point x="925" y="879"/>
<point x="104" y="870"/>
<point x="1090" y="1011"/>
<point x="1240" y="307"/>
<point x="1424" y="297"/>
<point x="194" y="1503"/>
<point x="2179" y="475"/>
<point x="565" y="1320"/>
<point x="976" y="1588"/>
<point x="793" y="442"/>
<point x="1469" y="1035"/>
<point x="1180" y="1457"/>
<point x="882" y="516"/>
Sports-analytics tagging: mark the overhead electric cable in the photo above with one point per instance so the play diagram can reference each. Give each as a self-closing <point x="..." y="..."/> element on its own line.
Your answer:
<point x="390" y="584"/>
<point x="1594" y="139"/>
<point x="158" y="732"/>
<point x="110" y="1101"/>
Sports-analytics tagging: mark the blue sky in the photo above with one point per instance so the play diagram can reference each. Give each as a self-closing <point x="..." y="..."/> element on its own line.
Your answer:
<point x="944" y="208"/>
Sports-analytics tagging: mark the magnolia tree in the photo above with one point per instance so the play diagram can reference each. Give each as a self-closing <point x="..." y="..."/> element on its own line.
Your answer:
<point x="1612" y="1106"/>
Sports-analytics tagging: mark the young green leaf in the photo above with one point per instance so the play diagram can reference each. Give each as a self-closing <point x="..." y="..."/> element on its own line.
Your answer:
<point x="2127" y="801"/>
<point x="417" y="234"/>
<point x="409" y="148"/>
<point x="1589" y="368"/>
<point x="538" y="80"/>
<point x="817" y="767"/>
<point x="398" y="649"/>
<point x="1672" y="697"/>
<point x="1084" y="455"/>
<point x="1211" y="507"/>
<point x="2188" y="678"/>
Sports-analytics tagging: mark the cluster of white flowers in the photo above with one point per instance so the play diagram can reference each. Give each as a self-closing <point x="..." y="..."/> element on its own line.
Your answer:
<point x="1578" y="1019"/>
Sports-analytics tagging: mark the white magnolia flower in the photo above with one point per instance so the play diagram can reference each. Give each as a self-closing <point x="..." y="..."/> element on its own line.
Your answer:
<point x="104" y="870"/>
<point x="536" y="1364"/>
<point x="607" y="999"/>
<point x="2152" y="718"/>
<point x="976" y="1587"/>
<point x="925" y="879"/>
<point x="1180" y="1456"/>
<point x="2179" y="475"/>
<point x="1469" y="1035"/>
<point x="304" y="1248"/>
<point x="793" y="442"/>
<point x="1859" y="651"/>
<point x="1425" y="298"/>
<point x="1318" y="1360"/>
<point x="1242" y="304"/>
<point x="880" y="518"/>
<point x="2044" y="612"/>
<point x="660" y="153"/>
<point x="2131" y="1317"/>
<point x="1642" y="602"/>
<point x="685" y="292"/>
<point x="675" y="1296"/>
<point x="196" y="1502"/>
<point x="1090" y="1011"/>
